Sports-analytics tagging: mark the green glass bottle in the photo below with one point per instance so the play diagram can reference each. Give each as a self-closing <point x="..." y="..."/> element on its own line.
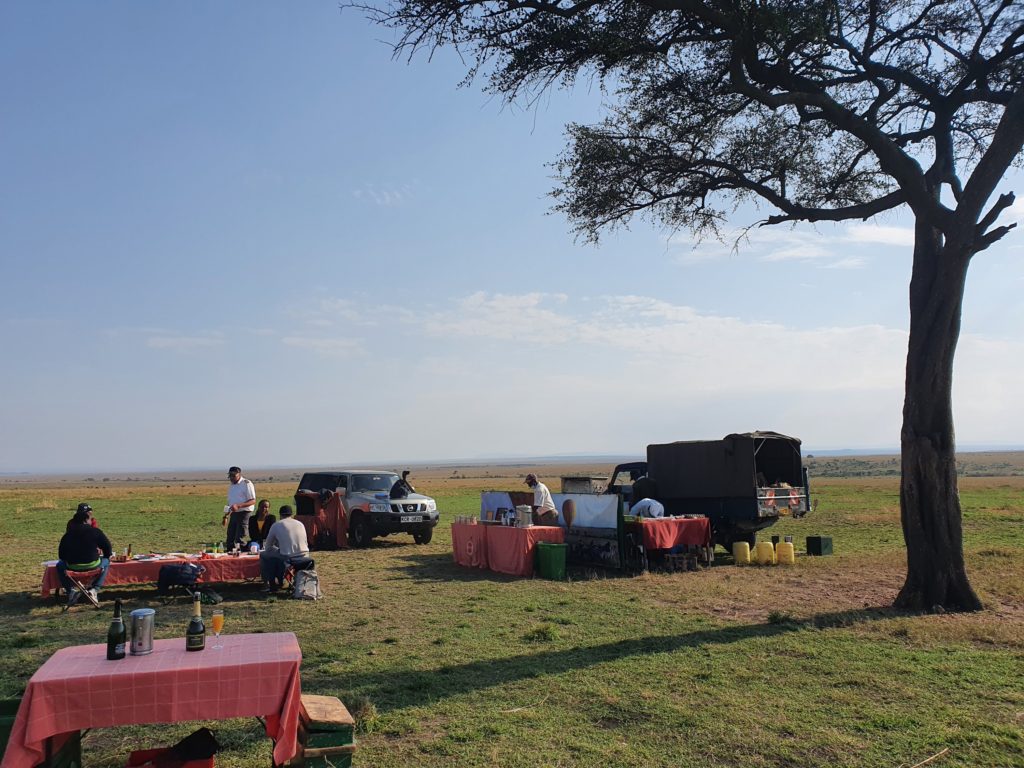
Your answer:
<point x="195" y="635"/>
<point x="117" y="635"/>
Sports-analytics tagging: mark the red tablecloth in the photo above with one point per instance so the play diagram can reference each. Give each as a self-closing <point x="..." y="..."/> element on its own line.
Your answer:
<point x="77" y="688"/>
<point x="218" y="570"/>
<point x="665" y="533"/>
<point x="469" y="545"/>
<point x="512" y="550"/>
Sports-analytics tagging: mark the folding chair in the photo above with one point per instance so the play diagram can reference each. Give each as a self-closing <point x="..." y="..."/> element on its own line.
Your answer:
<point x="83" y="582"/>
<point x="298" y="564"/>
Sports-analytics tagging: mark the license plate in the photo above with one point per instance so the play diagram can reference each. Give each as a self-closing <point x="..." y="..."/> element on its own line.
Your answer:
<point x="412" y="518"/>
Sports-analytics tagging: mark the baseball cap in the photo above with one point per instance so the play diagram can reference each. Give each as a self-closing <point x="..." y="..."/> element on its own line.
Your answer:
<point x="83" y="507"/>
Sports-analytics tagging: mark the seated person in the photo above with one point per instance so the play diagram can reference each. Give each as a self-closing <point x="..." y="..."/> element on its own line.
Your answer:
<point x="260" y="523"/>
<point x="83" y="548"/>
<point x="83" y="507"/>
<point x="544" y="511"/>
<point x="402" y="488"/>
<point x="285" y="542"/>
<point x="647" y="508"/>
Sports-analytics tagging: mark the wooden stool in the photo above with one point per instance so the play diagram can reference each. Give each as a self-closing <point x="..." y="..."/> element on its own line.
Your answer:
<point x="326" y="734"/>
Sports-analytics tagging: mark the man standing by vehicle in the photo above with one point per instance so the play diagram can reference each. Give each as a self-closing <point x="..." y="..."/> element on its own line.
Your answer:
<point x="544" y="512"/>
<point x="241" y="502"/>
<point x="402" y="488"/>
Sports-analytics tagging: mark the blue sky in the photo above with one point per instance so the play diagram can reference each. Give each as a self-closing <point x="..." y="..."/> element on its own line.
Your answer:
<point x="244" y="234"/>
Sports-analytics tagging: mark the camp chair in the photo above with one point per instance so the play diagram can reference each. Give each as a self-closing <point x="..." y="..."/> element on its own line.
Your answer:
<point x="83" y="582"/>
<point x="298" y="564"/>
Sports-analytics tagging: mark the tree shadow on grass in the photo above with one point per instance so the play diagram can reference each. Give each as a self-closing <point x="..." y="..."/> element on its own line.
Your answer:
<point x="440" y="567"/>
<point x="394" y="689"/>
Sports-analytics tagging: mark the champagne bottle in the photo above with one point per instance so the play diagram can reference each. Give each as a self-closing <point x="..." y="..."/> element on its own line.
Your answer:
<point x="116" y="635"/>
<point x="195" y="635"/>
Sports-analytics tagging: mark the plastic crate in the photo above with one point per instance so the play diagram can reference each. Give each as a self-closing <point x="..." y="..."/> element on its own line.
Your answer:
<point x="819" y="545"/>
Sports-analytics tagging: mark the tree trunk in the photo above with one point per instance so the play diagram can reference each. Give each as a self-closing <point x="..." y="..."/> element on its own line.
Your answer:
<point x="929" y="499"/>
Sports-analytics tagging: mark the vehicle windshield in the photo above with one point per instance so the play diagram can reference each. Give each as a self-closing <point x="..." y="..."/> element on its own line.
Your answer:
<point x="381" y="482"/>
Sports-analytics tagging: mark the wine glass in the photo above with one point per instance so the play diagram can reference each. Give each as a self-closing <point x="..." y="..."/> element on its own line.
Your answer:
<point x="217" y="622"/>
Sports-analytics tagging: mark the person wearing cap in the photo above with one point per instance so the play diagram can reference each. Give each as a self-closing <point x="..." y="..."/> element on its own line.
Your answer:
<point x="544" y="512"/>
<point x="83" y="507"/>
<point x="241" y="503"/>
<point x="285" y="542"/>
<point x="402" y="488"/>
<point x="83" y="548"/>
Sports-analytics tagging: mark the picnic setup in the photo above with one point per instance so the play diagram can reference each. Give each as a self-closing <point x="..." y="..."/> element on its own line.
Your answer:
<point x="212" y="568"/>
<point x="618" y="523"/>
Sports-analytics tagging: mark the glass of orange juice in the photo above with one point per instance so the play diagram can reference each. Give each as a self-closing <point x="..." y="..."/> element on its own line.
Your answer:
<point x="217" y="622"/>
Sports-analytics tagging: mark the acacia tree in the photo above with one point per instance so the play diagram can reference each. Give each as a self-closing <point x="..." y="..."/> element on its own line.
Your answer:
<point x="819" y="110"/>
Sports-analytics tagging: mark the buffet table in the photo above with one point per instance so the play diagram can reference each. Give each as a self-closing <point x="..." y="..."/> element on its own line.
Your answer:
<point x="146" y="570"/>
<point x="77" y="688"/>
<point x="669" y="532"/>
<point x="500" y="548"/>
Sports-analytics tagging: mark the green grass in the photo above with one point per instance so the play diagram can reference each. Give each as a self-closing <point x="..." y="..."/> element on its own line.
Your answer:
<point x="800" y="666"/>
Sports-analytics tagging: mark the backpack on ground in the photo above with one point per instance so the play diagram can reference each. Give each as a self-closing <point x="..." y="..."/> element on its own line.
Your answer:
<point x="209" y="597"/>
<point x="307" y="585"/>
<point x="177" y="575"/>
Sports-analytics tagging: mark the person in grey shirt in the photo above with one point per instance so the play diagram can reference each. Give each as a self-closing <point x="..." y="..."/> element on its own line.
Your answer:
<point x="285" y="543"/>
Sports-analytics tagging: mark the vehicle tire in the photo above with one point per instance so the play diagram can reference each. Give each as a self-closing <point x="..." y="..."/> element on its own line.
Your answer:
<point x="423" y="537"/>
<point x="359" y="533"/>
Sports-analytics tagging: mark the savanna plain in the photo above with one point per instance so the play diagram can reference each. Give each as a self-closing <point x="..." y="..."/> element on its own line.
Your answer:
<point x="805" y="665"/>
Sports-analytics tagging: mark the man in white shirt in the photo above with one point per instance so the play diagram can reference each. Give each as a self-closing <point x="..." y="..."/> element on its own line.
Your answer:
<point x="544" y="512"/>
<point x="285" y="542"/>
<point x="648" y="508"/>
<point x="241" y="503"/>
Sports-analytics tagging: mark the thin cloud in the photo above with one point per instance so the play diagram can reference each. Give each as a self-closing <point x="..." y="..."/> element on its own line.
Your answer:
<point x="767" y="244"/>
<point x="385" y="195"/>
<point x="874" y="233"/>
<point x="852" y="262"/>
<point x="331" y="347"/>
<point x="184" y="343"/>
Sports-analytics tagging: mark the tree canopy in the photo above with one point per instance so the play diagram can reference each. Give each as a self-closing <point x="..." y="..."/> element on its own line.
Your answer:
<point x="818" y="110"/>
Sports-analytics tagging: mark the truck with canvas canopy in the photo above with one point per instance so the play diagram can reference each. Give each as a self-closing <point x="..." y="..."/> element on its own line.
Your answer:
<point x="743" y="482"/>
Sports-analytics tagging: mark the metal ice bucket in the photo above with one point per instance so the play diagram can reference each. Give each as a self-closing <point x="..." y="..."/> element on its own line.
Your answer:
<point x="142" y="620"/>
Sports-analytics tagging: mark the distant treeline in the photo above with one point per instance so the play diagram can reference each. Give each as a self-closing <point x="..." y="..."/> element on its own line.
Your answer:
<point x="1003" y="464"/>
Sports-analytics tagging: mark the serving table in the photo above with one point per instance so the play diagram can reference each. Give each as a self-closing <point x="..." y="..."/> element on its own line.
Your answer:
<point x="503" y="549"/>
<point x="77" y="688"/>
<point x="146" y="570"/>
<point x="669" y="532"/>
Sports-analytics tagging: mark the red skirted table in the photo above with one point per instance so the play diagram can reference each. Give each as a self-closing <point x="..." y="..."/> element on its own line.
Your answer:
<point x="668" y="532"/>
<point x="77" y="688"/>
<point x="505" y="549"/>
<point x="469" y="545"/>
<point x="219" y="569"/>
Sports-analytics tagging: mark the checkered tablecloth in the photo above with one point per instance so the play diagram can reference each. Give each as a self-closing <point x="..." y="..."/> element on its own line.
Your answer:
<point x="218" y="570"/>
<point x="77" y="688"/>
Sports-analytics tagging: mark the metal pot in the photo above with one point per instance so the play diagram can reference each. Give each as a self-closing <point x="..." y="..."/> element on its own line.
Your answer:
<point x="142" y="620"/>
